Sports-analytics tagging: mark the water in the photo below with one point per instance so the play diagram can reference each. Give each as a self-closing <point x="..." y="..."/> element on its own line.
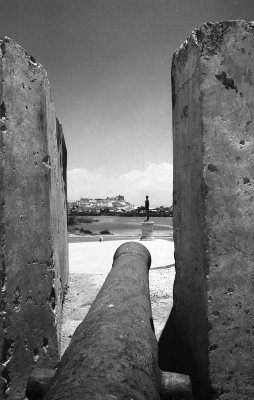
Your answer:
<point x="128" y="226"/>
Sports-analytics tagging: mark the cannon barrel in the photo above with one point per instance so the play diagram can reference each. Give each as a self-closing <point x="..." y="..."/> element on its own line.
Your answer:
<point x="113" y="352"/>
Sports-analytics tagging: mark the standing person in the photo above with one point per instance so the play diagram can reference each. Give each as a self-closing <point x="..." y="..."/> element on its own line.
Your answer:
<point x="147" y="208"/>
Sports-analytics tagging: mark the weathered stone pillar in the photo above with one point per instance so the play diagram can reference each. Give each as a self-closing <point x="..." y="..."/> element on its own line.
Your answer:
<point x="33" y="233"/>
<point x="113" y="352"/>
<point x="210" y="333"/>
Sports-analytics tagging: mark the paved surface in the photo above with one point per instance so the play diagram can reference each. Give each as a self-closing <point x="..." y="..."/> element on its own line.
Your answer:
<point x="90" y="263"/>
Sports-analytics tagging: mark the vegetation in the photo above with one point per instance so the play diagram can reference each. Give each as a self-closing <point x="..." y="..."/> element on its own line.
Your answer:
<point x="77" y="219"/>
<point x="85" y="231"/>
<point x="74" y="219"/>
<point x="88" y="220"/>
<point x="71" y="220"/>
<point x="139" y="212"/>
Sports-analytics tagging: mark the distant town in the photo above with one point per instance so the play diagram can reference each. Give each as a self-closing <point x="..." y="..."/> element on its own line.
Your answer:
<point x="113" y="206"/>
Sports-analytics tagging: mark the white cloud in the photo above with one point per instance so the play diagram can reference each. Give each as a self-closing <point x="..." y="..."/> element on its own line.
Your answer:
<point x="155" y="181"/>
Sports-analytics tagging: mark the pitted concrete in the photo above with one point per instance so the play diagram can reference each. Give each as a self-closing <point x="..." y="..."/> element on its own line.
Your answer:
<point x="33" y="247"/>
<point x="210" y="331"/>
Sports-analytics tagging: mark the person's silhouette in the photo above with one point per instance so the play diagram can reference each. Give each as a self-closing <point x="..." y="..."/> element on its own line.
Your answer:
<point x="147" y="208"/>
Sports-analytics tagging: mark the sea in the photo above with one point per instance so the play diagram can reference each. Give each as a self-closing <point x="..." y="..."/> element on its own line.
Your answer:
<point x="128" y="226"/>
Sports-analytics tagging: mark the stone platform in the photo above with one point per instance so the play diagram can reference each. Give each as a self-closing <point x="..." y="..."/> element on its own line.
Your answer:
<point x="147" y="230"/>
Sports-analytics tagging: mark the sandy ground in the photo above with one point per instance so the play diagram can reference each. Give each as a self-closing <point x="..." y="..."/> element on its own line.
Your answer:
<point x="90" y="263"/>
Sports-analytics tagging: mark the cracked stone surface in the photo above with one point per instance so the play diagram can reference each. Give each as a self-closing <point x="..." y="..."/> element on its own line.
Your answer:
<point x="33" y="232"/>
<point x="211" y="324"/>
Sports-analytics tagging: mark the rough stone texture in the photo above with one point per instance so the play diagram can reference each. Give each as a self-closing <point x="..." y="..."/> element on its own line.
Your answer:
<point x="210" y="332"/>
<point x="113" y="352"/>
<point x="175" y="386"/>
<point x="33" y="233"/>
<point x="38" y="383"/>
<point x="147" y="230"/>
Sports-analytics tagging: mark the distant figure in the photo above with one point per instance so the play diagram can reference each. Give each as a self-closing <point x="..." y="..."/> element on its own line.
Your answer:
<point x="147" y="208"/>
<point x="101" y="238"/>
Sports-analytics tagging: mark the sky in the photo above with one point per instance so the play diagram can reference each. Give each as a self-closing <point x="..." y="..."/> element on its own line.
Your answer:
<point x="109" y="63"/>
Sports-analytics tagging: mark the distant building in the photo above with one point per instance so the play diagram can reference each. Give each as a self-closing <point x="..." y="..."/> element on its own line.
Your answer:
<point x="112" y="204"/>
<point x="116" y="198"/>
<point x="120" y="198"/>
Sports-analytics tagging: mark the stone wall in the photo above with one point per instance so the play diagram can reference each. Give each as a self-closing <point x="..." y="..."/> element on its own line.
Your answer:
<point x="210" y="333"/>
<point x="33" y="233"/>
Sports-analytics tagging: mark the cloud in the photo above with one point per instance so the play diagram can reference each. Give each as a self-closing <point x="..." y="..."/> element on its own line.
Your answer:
<point x="155" y="181"/>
